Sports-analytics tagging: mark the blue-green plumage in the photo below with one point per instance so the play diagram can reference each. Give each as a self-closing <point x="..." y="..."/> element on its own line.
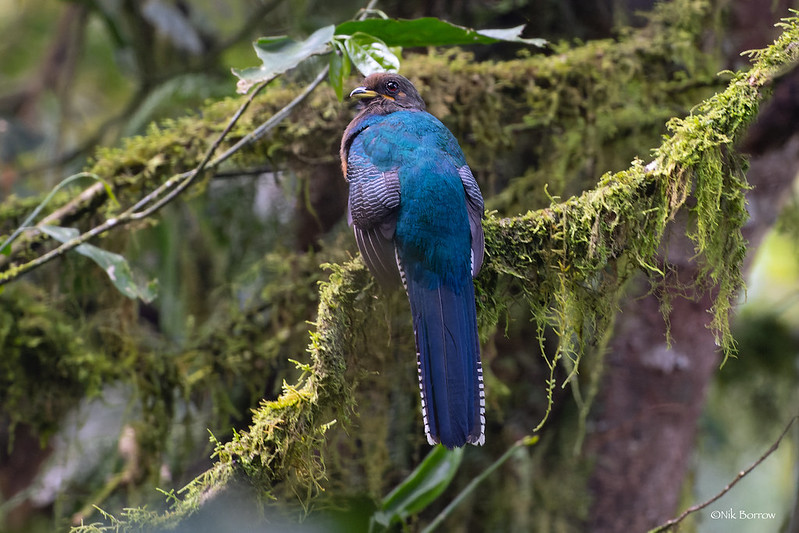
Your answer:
<point x="415" y="209"/>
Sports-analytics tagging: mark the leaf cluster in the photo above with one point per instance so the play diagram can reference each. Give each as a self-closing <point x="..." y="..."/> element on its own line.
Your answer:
<point x="371" y="45"/>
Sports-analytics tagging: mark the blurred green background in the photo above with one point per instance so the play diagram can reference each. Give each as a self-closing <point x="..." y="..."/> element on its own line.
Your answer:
<point x="237" y="262"/>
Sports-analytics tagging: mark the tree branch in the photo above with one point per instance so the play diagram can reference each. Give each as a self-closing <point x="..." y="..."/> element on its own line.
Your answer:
<point x="573" y="252"/>
<point x="172" y="187"/>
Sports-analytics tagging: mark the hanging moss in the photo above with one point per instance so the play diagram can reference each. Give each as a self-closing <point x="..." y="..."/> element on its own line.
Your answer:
<point x="566" y="115"/>
<point x="572" y="257"/>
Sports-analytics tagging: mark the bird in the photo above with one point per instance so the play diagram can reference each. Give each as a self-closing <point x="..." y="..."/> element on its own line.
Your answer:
<point x="416" y="211"/>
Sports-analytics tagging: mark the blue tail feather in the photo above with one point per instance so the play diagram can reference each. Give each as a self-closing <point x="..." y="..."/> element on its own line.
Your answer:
<point x="448" y="350"/>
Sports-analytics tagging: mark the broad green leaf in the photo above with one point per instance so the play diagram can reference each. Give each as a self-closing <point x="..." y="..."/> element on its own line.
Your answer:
<point x="430" y="31"/>
<point x="279" y="54"/>
<point x="369" y="54"/>
<point x="340" y="68"/>
<point x="527" y="440"/>
<point x="114" y="265"/>
<point x="421" y="487"/>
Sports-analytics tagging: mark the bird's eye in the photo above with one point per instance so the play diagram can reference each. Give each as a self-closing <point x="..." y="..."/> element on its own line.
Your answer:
<point x="392" y="87"/>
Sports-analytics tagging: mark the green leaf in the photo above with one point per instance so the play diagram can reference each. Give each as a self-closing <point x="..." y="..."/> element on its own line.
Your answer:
<point x="5" y="248"/>
<point x="421" y="487"/>
<point x="279" y="54"/>
<point x="370" y="54"/>
<point x="527" y="440"/>
<point x="431" y="31"/>
<point x="340" y="68"/>
<point x="115" y="265"/>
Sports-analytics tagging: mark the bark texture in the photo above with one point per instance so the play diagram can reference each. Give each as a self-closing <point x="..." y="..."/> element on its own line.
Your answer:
<point x="653" y="393"/>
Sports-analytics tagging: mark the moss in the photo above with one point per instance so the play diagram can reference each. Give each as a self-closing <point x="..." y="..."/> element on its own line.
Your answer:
<point x="548" y="120"/>
<point x="571" y="258"/>
<point x="283" y="441"/>
<point x="46" y="367"/>
<point x="566" y="116"/>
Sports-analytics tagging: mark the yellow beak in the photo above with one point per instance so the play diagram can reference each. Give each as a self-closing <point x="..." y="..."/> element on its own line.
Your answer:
<point x="362" y="92"/>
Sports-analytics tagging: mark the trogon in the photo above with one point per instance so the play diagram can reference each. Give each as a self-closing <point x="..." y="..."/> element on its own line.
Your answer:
<point x="416" y="211"/>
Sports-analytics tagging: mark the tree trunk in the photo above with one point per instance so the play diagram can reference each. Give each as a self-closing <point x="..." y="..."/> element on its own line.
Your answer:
<point x="653" y="394"/>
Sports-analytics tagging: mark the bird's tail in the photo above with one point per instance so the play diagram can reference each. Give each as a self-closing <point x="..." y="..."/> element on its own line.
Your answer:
<point x="448" y="358"/>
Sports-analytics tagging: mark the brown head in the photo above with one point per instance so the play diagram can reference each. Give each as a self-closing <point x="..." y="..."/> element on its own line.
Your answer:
<point x="386" y="92"/>
<point x="381" y="93"/>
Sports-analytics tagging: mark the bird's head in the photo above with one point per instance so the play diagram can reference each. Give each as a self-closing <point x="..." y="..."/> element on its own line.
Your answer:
<point x="386" y="92"/>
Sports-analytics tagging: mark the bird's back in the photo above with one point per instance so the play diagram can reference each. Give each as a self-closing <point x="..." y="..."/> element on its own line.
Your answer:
<point x="432" y="227"/>
<point x="411" y="193"/>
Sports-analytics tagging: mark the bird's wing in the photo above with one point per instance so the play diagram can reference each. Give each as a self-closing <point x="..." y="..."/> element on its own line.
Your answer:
<point x="475" y="208"/>
<point x="372" y="213"/>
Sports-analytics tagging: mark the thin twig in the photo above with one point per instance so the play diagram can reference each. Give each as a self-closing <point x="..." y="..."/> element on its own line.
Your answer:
<point x="184" y="180"/>
<point x="180" y="181"/>
<point x="26" y="223"/>
<point x="743" y="473"/>
<point x="210" y="57"/>
<point x="272" y="121"/>
<point x="189" y="177"/>
<point x="524" y="441"/>
<point x="364" y="11"/>
<point x="257" y="133"/>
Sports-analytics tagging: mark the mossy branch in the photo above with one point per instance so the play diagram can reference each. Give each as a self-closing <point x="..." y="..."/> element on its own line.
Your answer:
<point x="571" y="258"/>
<point x="540" y="101"/>
<point x="171" y="188"/>
<point x="282" y="443"/>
